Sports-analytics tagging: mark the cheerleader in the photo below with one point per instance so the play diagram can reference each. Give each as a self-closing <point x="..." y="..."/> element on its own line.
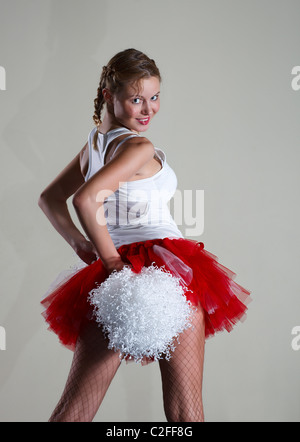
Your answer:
<point x="141" y="291"/>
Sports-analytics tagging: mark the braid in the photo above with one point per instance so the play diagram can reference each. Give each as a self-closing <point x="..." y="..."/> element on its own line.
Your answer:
<point x="98" y="105"/>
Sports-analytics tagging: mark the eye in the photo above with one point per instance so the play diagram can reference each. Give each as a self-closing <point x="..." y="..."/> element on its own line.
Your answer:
<point x="136" y="100"/>
<point x="154" y="98"/>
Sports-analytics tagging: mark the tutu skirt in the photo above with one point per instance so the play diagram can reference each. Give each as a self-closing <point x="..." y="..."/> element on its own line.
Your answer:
<point x="87" y="293"/>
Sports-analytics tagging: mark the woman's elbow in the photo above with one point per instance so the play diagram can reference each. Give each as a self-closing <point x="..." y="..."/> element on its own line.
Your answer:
<point x="89" y="199"/>
<point x="81" y="200"/>
<point x="77" y="200"/>
<point x="51" y="195"/>
<point x="42" y="199"/>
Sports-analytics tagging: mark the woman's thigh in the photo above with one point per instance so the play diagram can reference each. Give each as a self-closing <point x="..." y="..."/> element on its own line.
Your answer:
<point x="182" y="375"/>
<point x="92" y="370"/>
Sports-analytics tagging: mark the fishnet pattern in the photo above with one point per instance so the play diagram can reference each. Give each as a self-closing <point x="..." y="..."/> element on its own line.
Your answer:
<point x="94" y="366"/>
<point x="92" y="370"/>
<point x="182" y="375"/>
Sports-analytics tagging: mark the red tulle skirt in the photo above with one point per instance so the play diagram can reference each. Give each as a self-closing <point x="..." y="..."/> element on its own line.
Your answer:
<point x="209" y="284"/>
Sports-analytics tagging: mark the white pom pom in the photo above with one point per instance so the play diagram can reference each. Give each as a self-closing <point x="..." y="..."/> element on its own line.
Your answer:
<point x="142" y="313"/>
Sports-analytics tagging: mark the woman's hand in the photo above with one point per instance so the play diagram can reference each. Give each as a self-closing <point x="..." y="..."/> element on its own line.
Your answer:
<point x="114" y="263"/>
<point x="86" y="251"/>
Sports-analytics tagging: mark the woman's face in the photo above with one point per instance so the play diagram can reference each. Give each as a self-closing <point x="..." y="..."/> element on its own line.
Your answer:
<point x="135" y="109"/>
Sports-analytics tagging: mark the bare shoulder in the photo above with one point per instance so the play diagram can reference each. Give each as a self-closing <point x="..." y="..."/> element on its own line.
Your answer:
<point x="134" y="143"/>
<point x="138" y="150"/>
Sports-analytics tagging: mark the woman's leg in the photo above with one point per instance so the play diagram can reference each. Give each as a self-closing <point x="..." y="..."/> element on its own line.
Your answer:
<point x="92" y="370"/>
<point x="182" y="375"/>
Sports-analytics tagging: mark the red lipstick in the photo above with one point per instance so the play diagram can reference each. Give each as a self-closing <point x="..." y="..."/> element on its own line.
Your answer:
<point x="144" y="121"/>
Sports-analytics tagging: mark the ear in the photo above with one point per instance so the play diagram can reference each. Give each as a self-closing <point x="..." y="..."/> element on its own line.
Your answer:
<point x="107" y="95"/>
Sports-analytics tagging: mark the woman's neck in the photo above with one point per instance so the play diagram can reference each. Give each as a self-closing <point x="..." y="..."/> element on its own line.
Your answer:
<point x="109" y="122"/>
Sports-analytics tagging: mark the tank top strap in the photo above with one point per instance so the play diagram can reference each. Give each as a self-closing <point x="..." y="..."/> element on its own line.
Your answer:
<point x="123" y="141"/>
<point x="115" y="133"/>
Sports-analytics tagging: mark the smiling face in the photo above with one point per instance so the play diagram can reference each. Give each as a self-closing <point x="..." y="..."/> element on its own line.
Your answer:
<point x="134" y="108"/>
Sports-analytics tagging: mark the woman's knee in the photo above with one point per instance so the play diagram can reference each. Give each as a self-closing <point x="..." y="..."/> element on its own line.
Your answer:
<point x="183" y="412"/>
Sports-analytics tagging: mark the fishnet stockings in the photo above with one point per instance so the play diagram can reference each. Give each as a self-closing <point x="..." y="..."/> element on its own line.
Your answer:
<point x="94" y="366"/>
<point x="182" y="376"/>
<point x="92" y="370"/>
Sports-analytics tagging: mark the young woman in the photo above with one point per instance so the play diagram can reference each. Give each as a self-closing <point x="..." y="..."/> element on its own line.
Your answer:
<point x="117" y="161"/>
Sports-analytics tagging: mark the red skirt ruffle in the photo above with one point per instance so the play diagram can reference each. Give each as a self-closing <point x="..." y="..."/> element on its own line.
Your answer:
<point x="209" y="285"/>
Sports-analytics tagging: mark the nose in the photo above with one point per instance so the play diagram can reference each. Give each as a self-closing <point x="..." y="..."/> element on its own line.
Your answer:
<point x="146" y="109"/>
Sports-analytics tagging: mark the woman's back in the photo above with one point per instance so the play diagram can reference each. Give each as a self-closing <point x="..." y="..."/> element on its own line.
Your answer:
<point x="138" y="210"/>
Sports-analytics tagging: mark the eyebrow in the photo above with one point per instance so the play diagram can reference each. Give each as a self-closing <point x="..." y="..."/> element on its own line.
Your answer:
<point x="138" y="95"/>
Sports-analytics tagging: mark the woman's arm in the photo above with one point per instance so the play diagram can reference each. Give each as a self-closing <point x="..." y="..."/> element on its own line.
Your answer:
<point x="53" y="202"/>
<point x="88" y="200"/>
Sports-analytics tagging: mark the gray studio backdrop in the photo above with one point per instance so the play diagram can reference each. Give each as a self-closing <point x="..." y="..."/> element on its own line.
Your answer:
<point x="229" y="125"/>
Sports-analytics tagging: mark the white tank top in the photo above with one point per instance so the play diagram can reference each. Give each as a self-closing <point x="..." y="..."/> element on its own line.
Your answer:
<point x="138" y="210"/>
